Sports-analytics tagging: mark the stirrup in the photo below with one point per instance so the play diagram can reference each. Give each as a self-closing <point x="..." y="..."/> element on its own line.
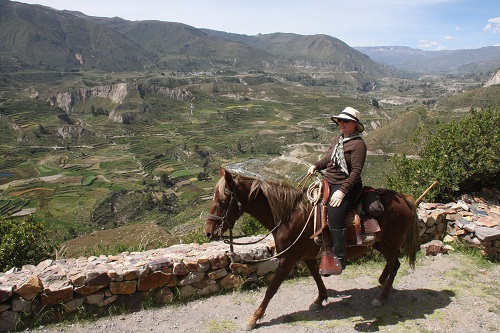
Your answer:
<point x="330" y="264"/>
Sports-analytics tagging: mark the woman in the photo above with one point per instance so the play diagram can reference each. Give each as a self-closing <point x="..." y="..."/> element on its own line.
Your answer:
<point x="343" y="164"/>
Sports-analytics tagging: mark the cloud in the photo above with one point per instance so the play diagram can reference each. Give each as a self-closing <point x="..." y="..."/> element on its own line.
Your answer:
<point x="493" y="25"/>
<point x="449" y="37"/>
<point x="426" y="44"/>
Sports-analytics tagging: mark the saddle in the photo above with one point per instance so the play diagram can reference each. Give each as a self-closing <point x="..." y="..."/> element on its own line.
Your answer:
<point x="361" y="228"/>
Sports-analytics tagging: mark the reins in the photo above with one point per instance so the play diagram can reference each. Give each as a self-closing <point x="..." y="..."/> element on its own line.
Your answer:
<point x="285" y="250"/>
<point x="231" y="242"/>
<point x="313" y="194"/>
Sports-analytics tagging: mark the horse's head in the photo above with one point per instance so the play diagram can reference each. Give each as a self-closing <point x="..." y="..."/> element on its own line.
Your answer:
<point x="226" y="208"/>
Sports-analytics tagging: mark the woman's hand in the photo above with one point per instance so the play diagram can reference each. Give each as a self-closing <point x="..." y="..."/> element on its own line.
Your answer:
<point x="311" y="169"/>
<point x="337" y="198"/>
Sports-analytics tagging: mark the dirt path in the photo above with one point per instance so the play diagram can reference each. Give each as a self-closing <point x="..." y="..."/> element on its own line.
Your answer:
<point x="449" y="293"/>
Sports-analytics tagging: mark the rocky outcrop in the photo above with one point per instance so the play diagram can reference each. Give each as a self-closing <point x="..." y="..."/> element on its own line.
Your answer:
<point x="495" y="80"/>
<point x="67" y="100"/>
<point x="116" y="93"/>
<point x="76" y="132"/>
<point x="175" y="93"/>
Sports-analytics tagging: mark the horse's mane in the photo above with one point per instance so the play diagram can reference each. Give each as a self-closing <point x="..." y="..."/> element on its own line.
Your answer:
<point x="283" y="198"/>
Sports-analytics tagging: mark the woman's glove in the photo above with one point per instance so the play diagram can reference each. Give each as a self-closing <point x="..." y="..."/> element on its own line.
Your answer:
<point x="337" y="198"/>
<point x="311" y="169"/>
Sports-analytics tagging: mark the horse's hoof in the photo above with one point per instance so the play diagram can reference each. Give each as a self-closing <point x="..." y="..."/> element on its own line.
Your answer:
<point x="315" y="307"/>
<point x="249" y="327"/>
<point x="376" y="303"/>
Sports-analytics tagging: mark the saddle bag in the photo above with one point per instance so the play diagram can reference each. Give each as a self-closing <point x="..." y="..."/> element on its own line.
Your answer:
<point x="371" y="202"/>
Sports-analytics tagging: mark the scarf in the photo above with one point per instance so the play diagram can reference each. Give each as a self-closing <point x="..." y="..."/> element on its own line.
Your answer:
<point x="338" y="156"/>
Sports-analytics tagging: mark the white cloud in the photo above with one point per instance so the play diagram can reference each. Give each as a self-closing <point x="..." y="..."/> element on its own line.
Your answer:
<point x="449" y="37"/>
<point x="493" y="25"/>
<point x="426" y="44"/>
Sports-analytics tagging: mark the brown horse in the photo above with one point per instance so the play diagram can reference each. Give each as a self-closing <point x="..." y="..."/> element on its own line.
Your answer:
<point x="285" y="210"/>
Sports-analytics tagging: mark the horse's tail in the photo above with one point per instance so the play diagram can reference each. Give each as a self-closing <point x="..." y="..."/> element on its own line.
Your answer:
<point x="410" y="243"/>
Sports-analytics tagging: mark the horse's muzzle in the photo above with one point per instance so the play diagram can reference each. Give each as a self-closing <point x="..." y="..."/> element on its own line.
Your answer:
<point x="211" y="231"/>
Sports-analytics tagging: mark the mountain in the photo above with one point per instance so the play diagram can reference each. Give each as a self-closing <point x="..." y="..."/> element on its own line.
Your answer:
<point x="179" y="45"/>
<point x="313" y="50"/>
<point x="486" y="59"/>
<point x="173" y="42"/>
<point x="33" y="35"/>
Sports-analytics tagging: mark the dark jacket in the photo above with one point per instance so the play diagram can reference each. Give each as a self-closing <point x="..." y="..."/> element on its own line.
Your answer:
<point x="355" y="155"/>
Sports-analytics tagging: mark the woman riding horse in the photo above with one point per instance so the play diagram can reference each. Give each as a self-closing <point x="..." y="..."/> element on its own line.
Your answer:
<point x="286" y="210"/>
<point x="343" y="164"/>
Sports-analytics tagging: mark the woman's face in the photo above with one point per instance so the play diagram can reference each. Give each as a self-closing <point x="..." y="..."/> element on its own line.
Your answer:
<point x="347" y="127"/>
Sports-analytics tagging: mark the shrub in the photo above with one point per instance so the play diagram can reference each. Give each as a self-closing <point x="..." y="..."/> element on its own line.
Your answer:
<point x="23" y="242"/>
<point x="195" y="236"/>
<point x="250" y="226"/>
<point x="463" y="155"/>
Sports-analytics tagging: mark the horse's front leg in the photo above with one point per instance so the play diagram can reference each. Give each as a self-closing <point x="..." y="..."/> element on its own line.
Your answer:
<point x="313" y="267"/>
<point x="284" y="268"/>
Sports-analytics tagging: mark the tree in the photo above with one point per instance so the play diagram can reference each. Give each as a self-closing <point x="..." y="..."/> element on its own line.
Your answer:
<point x="463" y="155"/>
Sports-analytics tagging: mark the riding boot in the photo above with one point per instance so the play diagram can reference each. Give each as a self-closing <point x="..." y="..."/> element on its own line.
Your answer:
<point x="339" y="245"/>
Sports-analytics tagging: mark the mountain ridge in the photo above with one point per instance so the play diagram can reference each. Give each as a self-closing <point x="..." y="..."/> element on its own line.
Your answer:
<point x="40" y="36"/>
<point x="410" y="59"/>
<point x="37" y="36"/>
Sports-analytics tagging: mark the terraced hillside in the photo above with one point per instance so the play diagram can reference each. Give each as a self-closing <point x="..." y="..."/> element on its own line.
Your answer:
<point x="92" y="151"/>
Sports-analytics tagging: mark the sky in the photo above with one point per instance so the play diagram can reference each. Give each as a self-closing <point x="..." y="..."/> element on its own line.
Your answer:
<point x="423" y="24"/>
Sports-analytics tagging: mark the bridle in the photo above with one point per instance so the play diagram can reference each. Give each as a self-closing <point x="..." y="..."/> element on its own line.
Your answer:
<point x="223" y="219"/>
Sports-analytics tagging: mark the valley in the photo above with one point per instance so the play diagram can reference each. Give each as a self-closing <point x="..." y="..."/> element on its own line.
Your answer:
<point x="119" y="150"/>
<point x="156" y="164"/>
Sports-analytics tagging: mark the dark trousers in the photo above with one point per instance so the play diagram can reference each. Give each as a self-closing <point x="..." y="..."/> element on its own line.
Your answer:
<point x="336" y="214"/>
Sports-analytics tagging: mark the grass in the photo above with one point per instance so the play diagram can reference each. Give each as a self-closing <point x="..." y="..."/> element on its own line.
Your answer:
<point x="475" y="254"/>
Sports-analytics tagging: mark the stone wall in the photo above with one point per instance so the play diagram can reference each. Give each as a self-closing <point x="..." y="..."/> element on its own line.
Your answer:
<point x="474" y="221"/>
<point x="190" y="270"/>
<point x="183" y="271"/>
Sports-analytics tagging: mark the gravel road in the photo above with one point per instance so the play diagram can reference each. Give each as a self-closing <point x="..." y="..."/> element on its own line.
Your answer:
<point x="446" y="293"/>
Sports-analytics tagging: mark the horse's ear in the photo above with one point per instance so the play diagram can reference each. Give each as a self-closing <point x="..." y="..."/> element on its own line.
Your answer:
<point x="222" y="171"/>
<point x="228" y="177"/>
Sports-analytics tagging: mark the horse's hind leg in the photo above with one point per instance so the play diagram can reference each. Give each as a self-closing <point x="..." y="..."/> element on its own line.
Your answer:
<point x="385" y="273"/>
<point x="312" y="265"/>
<point x="284" y="268"/>
<point x="386" y="279"/>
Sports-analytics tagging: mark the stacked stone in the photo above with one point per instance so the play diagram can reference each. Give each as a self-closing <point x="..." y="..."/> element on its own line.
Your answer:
<point x="188" y="270"/>
<point x="192" y="270"/>
<point x="473" y="222"/>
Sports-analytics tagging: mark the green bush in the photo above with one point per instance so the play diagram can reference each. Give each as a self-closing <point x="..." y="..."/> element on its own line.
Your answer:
<point x="195" y="236"/>
<point x="23" y="242"/>
<point x="250" y="226"/>
<point x="463" y="155"/>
